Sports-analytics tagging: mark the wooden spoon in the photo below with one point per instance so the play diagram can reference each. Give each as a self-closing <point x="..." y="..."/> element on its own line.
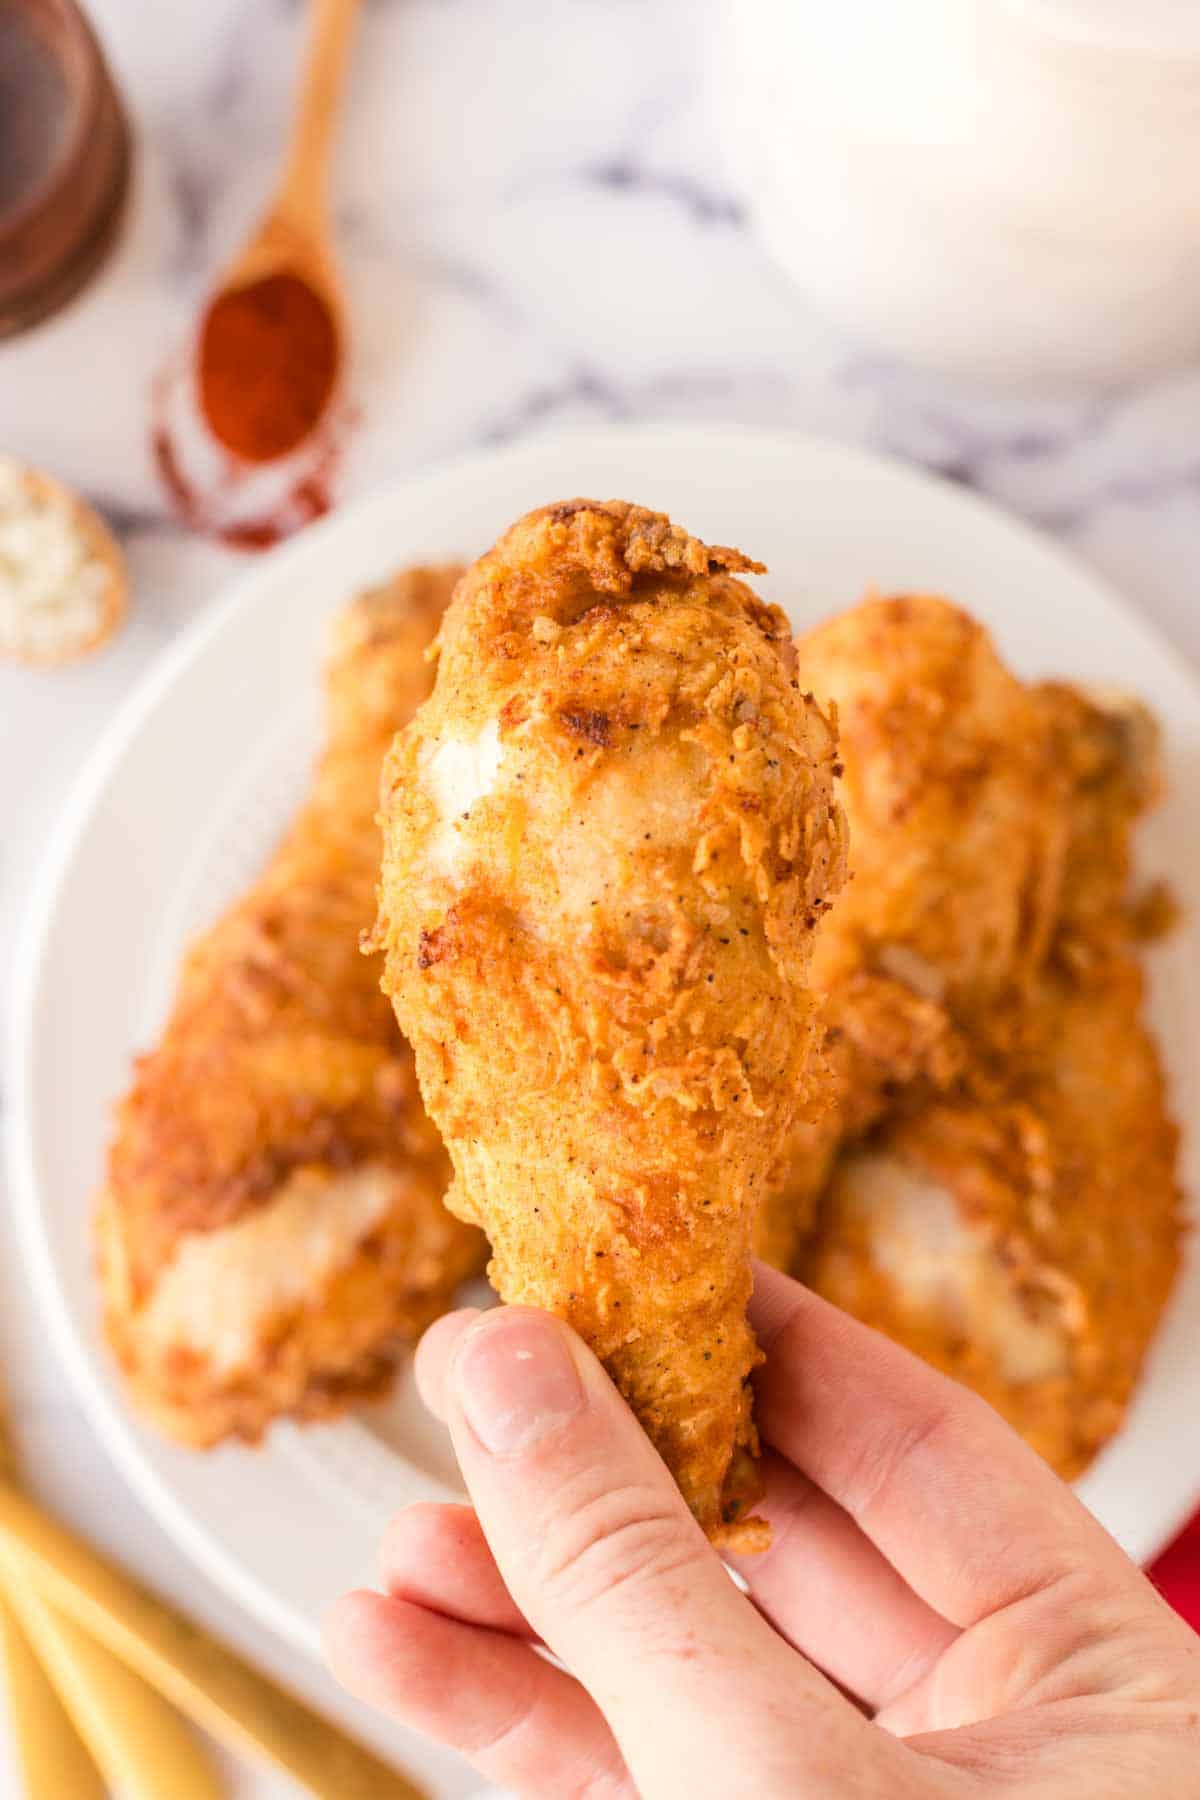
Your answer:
<point x="51" y="1756"/>
<point x="85" y="1724"/>
<point x="135" y="1737"/>
<point x="207" y="1682"/>
<point x="293" y="240"/>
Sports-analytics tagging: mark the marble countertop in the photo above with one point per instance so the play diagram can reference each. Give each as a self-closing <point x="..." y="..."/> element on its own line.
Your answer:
<point x="539" y="227"/>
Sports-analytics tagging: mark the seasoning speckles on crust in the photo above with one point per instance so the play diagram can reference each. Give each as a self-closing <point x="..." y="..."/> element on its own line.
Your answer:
<point x="604" y="836"/>
<point x="272" y="1226"/>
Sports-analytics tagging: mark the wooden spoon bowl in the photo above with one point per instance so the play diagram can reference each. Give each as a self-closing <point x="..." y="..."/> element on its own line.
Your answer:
<point x="280" y="302"/>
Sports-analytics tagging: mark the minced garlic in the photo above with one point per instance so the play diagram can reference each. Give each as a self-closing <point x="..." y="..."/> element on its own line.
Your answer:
<point x="62" y="575"/>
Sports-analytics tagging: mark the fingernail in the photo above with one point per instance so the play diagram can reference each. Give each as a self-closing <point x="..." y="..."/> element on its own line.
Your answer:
<point x="516" y="1382"/>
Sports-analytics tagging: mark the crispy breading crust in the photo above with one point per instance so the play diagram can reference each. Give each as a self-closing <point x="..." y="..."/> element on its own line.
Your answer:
<point x="954" y="798"/>
<point x="282" y="1059"/>
<point x="602" y="963"/>
<point x="955" y="794"/>
<point x="1110" y="747"/>
<point x="1021" y="1085"/>
<point x="1059" y="1156"/>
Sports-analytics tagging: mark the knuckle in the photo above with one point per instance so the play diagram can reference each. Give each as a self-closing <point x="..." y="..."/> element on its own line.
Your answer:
<point x="1040" y="1647"/>
<point x="503" y="1732"/>
<point x="603" y="1784"/>
<point x="611" y="1540"/>
<point x="872" y="1475"/>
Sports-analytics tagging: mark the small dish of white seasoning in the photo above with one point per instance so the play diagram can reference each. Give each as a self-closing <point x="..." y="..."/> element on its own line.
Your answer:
<point x="63" y="584"/>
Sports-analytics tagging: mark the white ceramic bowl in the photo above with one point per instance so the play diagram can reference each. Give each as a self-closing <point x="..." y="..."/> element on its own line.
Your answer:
<point x="1003" y="189"/>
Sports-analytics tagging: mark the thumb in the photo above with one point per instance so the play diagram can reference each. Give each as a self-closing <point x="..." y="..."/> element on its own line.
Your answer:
<point x="603" y="1557"/>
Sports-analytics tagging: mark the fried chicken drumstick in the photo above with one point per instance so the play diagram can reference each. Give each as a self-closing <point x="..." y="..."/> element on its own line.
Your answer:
<point x="1014" y="1217"/>
<point x="608" y="838"/>
<point x="956" y="807"/>
<point x="1024" y="1237"/>
<point x="272" y="1224"/>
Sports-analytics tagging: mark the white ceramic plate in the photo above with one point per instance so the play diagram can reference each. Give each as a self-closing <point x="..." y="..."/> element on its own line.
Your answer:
<point x="182" y="800"/>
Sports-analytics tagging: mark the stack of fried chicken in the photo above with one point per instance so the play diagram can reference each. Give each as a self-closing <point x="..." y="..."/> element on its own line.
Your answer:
<point x="994" y="1184"/>
<point x="271" y="1224"/>
<point x="658" y="1021"/>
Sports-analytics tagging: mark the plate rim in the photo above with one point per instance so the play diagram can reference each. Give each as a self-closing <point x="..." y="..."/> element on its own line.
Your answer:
<point x="114" y="1428"/>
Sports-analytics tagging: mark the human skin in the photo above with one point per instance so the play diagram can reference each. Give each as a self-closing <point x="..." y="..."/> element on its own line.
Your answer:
<point x="937" y="1616"/>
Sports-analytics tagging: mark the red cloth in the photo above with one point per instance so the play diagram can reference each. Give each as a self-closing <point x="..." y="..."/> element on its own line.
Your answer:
<point x="1177" y="1573"/>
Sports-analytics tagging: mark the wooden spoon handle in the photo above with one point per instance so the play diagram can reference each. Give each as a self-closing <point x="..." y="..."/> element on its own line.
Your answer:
<point x="196" y="1672"/>
<point x="302" y="192"/>
<point x="87" y="1725"/>
<point x="139" y="1742"/>
<point x="50" y="1754"/>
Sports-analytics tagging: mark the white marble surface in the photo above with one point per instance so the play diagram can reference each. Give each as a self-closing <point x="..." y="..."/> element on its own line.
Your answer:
<point x="539" y="227"/>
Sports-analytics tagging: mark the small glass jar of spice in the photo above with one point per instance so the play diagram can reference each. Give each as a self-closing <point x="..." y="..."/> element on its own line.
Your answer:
<point x="64" y="158"/>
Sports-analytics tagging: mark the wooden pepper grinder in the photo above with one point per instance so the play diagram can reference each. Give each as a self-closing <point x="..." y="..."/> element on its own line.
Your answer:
<point x="64" y="158"/>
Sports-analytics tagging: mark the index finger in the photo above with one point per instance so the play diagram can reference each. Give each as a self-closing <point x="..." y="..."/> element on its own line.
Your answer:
<point x="967" y="1513"/>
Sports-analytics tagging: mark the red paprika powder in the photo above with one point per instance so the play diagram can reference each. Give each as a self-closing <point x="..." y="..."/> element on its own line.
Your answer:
<point x="268" y="362"/>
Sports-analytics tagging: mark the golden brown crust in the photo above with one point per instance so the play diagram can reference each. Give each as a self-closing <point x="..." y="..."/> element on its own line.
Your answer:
<point x="313" y="1356"/>
<point x="1109" y="746"/>
<point x="955" y="801"/>
<point x="956" y="809"/>
<point x="281" y="1060"/>
<point x="607" y="839"/>
<point x="1012" y="1211"/>
<point x="1058" y="1156"/>
<point x="279" y="1052"/>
